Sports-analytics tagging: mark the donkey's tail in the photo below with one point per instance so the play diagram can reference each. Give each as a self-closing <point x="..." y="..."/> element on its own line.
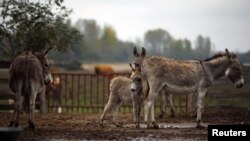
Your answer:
<point x="26" y="86"/>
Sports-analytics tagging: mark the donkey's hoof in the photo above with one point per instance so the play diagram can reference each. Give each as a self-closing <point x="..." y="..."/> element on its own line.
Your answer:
<point x="155" y="126"/>
<point x="173" y="115"/>
<point x="161" y="116"/>
<point x="199" y="126"/>
<point x="117" y="124"/>
<point x="101" y="123"/>
<point x="137" y="126"/>
<point x="12" y="124"/>
<point x="150" y="126"/>
<point x="16" y="124"/>
<point x="31" y="125"/>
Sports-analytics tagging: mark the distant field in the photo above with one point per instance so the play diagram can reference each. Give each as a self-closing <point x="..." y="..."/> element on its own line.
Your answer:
<point x="118" y="67"/>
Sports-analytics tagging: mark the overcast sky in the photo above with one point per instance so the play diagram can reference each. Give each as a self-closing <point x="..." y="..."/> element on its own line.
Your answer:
<point x="226" y="22"/>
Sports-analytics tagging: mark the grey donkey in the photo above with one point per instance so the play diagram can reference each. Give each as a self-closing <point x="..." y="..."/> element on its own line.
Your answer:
<point x="120" y="91"/>
<point x="29" y="74"/>
<point x="185" y="77"/>
<point x="164" y="95"/>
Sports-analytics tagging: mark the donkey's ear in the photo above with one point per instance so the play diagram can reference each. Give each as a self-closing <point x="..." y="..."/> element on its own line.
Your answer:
<point x="131" y="67"/>
<point x="143" y="52"/>
<point x="229" y="55"/>
<point x="136" y="54"/>
<point x="47" y="51"/>
<point x="33" y="52"/>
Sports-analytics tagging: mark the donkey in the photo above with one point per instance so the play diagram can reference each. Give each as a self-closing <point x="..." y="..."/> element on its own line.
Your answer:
<point x="185" y="77"/>
<point x="29" y="73"/>
<point x="120" y="91"/>
<point x="163" y="94"/>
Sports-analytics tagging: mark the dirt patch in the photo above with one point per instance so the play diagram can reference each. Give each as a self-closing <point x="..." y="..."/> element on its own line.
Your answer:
<point x="62" y="127"/>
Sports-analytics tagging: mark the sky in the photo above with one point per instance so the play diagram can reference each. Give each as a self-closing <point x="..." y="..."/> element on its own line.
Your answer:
<point x="226" y="22"/>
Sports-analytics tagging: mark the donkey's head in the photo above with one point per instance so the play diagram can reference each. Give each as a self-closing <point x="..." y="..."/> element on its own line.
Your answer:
<point x="137" y="83"/>
<point x="139" y="57"/>
<point x="42" y="57"/>
<point x="234" y="72"/>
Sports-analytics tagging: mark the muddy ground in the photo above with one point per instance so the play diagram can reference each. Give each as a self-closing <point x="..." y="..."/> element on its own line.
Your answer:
<point x="62" y="127"/>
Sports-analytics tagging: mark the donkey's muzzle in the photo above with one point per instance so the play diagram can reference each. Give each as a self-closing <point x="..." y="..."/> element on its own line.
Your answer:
<point x="47" y="82"/>
<point x="239" y="85"/>
<point x="48" y="79"/>
<point x="132" y="90"/>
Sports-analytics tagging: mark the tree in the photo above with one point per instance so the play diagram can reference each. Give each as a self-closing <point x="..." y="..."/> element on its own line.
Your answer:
<point x="109" y="38"/>
<point x="91" y="32"/>
<point x="108" y="41"/>
<point x="74" y="43"/>
<point x="33" y="26"/>
<point x="158" y="40"/>
<point x="203" y="47"/>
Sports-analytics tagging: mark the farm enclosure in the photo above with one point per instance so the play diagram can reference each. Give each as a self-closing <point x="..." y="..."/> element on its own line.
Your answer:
<point x="88" y="93"/>
<point x="84" y="96"/>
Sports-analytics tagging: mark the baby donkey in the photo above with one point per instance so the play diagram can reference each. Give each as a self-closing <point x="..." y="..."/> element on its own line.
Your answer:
<point x="121" y="90"/>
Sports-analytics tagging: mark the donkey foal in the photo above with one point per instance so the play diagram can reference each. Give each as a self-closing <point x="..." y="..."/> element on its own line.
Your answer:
<point x="120" y="91"/>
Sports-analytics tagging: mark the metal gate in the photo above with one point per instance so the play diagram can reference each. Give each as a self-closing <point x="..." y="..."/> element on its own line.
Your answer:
<point x="88" y="93"/>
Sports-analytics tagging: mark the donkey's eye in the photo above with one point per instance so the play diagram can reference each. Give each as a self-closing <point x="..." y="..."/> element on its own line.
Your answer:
<point x="138" y="79"/>
<point x="46" y="65"/>
<point x="236" y="69"/>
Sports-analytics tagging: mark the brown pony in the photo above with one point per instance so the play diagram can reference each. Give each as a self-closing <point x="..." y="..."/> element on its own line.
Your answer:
<point x="29" y="73"/>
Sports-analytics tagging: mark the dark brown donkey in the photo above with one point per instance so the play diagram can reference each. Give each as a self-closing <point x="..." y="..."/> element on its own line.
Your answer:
<point x="28" y="75"/>
<point x="185" y="77"/>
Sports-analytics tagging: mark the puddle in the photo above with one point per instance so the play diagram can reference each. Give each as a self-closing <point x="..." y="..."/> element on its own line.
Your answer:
<point x="166" y="125"/>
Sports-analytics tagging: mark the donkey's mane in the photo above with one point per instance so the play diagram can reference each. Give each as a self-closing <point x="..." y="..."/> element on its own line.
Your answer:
<point x="218" y="55"/>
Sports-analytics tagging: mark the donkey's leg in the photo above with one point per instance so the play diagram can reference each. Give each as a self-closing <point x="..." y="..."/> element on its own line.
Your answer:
<point x="14" y="115"/>
<point x="20" y="105"/>
<point x="136" y="110"/>
<point x="115" y="109"/>
<point x="147" y="106"/>
<point x="191" y="104"/>
<point x="200" y="106"/>
<point x="149" y="102"/>
<point x="170" y="101"/>
<point x="106" y="108"/>
<point x="162" y="103"/>
<point x="42" y="101"/>
<point x="139" y="112"/>
<point x="156" y="126"/>
<point x="17" y="107"/>
<point x="32" y="106"/>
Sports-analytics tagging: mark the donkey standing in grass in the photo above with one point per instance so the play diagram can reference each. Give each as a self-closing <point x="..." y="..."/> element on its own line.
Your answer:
<point x="185" y="77"/>
<point x="120" y="91"/>
<point x="29" y="73"/>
